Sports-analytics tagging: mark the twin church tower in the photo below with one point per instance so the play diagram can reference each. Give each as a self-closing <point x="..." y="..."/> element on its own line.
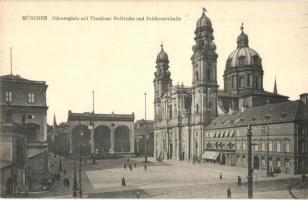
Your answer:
<point x="183" y="113"/>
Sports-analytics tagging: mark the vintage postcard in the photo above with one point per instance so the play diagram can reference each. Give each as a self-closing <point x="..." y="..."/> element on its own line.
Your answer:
<point x="154" y="99"/>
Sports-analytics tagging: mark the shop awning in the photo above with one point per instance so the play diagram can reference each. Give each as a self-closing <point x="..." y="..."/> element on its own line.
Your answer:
<point x="210" y="155"/>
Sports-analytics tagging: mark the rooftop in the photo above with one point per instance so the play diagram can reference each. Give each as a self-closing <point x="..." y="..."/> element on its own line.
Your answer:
<point x="267" y="114"/>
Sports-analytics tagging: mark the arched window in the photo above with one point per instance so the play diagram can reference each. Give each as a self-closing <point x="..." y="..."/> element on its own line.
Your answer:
<point x="233" y="82"/>
<point x="208" y="72"/>
<point x="256" y="82"/>
<point x="248" y="80"/>
<point x="197" y="75"/>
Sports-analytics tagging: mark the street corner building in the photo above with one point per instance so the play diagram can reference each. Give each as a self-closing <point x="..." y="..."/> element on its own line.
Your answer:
<point x="203" y="122"/>
<point x="23" y="134"/>
<point x="101" y="135"/>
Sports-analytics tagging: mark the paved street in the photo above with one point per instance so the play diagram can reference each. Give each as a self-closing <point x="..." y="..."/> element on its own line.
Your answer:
<point x="170" y="179"/>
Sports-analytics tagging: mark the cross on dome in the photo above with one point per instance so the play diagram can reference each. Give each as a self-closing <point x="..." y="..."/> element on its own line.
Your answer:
<point x="242" y="27"/>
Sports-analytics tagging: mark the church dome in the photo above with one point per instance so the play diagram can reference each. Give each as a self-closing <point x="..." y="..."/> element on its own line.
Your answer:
<point x="204" y="21"/>
<point x="243" y="55"/>
<point x="162" y="56"/>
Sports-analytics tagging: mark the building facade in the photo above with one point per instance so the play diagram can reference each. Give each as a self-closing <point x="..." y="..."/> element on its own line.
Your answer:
<point x="23" y="102"/>
<point x="13" y="140"/>
<point x="144" y="131"/>
<point x="103" y="135"/>
<point x="185" y="115"/>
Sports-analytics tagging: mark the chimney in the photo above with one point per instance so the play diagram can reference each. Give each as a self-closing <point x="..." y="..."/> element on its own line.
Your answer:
<point x="304" y="98"/>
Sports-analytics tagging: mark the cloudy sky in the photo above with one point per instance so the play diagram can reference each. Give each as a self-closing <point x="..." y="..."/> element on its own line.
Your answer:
<point x="116" y="59"/>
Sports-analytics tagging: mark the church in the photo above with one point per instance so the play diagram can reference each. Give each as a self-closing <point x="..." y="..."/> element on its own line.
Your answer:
<point x="203" y="122"/>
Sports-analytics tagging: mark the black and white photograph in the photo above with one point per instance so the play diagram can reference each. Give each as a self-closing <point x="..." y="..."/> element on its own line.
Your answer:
<point x="175" y="99"/>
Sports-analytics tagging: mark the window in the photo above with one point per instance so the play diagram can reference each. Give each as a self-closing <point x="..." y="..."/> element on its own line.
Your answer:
<point x="238" y="146"/>
<point x="241" y="61"/>
<point x="233" y="82"/>
<point x="263" y="146"/>
<point x="287" y="163"/>
<point x="262" y="161"/>
<point x="270" y="162"/>
<point x="238" y="159"/>
<point x="287" y="147"/>
<point x="278" y="146"/>
<point x="197" y="108"/>
<point x="31" y="98"/>
<point x="278" y="163"/>
<point x="244" y="160"/>
<point x="256" y="147"/>
<point x="244" y="145"/>
<point x="8" y="97"/>
<point x="249" y="80"/>
<point x="197" y="75"/>
<point x="208" y="74"/>
<point x="270" y="146"/>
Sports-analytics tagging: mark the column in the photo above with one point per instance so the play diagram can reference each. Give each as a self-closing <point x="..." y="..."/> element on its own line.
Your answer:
<point x="179" y="143"/>
<point x="173" y="144"/>
<point x="70" y="140"/>
<point x="92" y="142"/>
<point x="112" y="138"/>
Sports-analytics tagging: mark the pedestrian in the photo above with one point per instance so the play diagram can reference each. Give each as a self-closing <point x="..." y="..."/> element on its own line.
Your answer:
<point x="124" y="166"/>
<point x="68" y="182"/>
<point x="239" y="180"/>
<point x="229" y="193"/>
<point x="123" y="181"/>
<point x="64" y="182"/>
<point x="303" y="177"/>
<point x="220" y="175"/>
<point x="145" y="167"/>
<point x="130" y="167"/>
<point x="135" y="165"/>
<point x="138" y="195"/>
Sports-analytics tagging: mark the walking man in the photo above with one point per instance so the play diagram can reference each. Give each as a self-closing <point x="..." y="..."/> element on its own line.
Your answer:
<point x="123" y="181"/>
<point x="220" y="175"/>
<point x="239" y="180"/>
<point x="145" y="167"/>
<point x="229" y="193"/>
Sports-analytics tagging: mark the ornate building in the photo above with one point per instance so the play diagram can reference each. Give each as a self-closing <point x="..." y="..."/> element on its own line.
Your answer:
<point x="185" y="117"/>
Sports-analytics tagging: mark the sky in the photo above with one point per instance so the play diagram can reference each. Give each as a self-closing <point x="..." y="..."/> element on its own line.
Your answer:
<point x="116" y="59"/>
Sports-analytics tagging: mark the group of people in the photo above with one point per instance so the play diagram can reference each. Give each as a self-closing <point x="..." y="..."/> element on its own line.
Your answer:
<point x="66" y="182"/>
<point x="130" y="166"/>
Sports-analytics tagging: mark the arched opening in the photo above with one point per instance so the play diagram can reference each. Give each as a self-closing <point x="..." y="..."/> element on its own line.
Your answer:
<point x="34" y="129"/>
<point x="102" y="139"/>
<point x="256" y="163"/>
<point x="121" y="139"/>
<point x="81" y="140"/>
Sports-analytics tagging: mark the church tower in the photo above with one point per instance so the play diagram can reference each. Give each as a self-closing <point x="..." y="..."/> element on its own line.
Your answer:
<point x="162" y="81"/>
<point x="204" y="63"/>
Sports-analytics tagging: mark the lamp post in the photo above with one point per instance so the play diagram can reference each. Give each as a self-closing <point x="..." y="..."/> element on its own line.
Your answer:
<point x="80" y="191"/>
<point x="145" y="136"/>
<point x="75" y="186"/>
<point x="249" y="144"/>
<point x="59" y="142"/>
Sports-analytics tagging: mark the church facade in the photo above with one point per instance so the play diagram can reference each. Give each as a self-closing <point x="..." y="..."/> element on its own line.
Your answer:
<point x="187" y="118"/>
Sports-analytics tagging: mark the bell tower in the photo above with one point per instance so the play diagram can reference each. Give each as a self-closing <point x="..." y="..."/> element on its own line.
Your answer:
<point x="204" y="63"/>
<point x="162" y="81"/>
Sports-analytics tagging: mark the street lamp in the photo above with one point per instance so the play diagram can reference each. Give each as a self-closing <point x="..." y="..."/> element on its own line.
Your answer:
<point x="80" y="191"/>
<point x="249" y="144"/>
